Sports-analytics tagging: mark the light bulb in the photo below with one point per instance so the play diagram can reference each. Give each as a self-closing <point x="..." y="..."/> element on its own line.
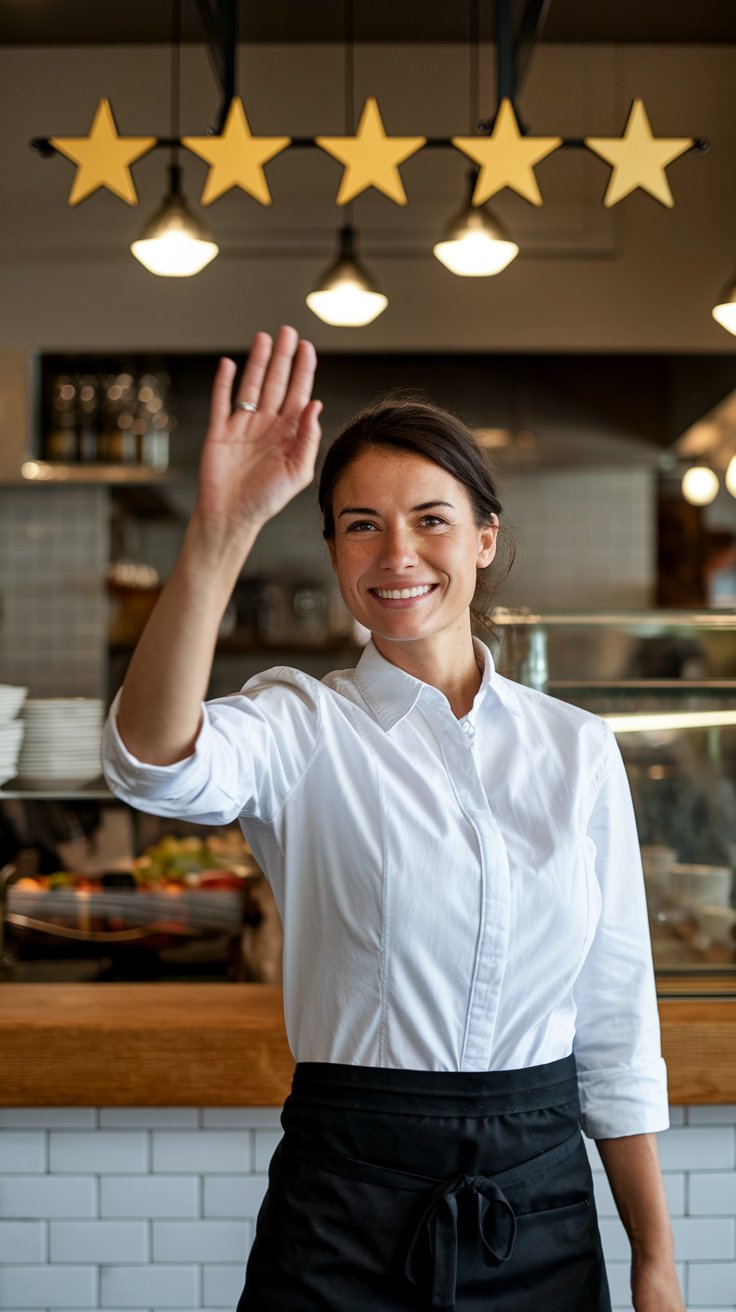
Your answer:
<point x="724" y="312"/>
<point x="700" y="485"/>
<point x="474" y="245"/>
<point x="346" y="295"/>
<point x="347" y="305"/>
<point x="173" y="243"/>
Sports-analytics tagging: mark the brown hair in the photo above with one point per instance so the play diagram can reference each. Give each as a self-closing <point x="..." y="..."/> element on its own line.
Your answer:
<point x="406" y="422"/>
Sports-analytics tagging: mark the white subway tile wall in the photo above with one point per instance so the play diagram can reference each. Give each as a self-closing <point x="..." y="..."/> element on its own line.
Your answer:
<point x="584" y="537"/>
<point x="144" y="1209"/>
<point x="54" y="545"/>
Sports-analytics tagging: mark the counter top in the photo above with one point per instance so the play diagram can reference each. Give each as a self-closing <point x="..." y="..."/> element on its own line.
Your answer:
<point x="117" y="1045"/>
<point x="208" y="1045"/>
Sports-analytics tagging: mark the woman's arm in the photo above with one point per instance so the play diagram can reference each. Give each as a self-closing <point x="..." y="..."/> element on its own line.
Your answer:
<point x="252" y="464"/>
<point x="632" y="1166"/>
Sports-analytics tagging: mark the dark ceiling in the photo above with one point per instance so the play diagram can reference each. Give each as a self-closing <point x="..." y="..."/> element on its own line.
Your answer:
<point x="145" y="22"/>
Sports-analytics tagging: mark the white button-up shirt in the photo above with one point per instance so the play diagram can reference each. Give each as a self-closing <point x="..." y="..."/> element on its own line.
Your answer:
<point x="456" y="895"/>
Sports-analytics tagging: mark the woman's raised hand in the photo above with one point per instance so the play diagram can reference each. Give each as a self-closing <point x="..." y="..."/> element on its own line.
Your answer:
<point x="254" y="462"/>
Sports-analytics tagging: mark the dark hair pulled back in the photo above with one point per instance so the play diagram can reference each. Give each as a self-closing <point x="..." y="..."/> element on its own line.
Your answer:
<point x="402" y="421"/>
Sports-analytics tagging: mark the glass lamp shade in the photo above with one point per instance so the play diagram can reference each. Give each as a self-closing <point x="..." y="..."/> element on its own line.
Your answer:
<point x="725" y="312"/>
<point x="700" y="485"/>
<point x="731" y="476"/>
<point x="346" y="295"/>
<point x="173" y="243"/>
<point x="474" y="245"/>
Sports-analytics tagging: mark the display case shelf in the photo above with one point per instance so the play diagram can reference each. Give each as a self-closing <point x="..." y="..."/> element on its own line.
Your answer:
<point x="665" y="681"/>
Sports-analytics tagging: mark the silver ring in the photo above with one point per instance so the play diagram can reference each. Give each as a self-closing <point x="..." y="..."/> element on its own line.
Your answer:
<point x="246" y="405"/>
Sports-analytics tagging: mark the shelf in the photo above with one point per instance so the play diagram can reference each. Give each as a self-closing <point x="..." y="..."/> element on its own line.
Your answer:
<point x="649" y="623"/>
<point x="48" y="793"/>
<point x="36" y="472"/>
<point x="644" y="685"/>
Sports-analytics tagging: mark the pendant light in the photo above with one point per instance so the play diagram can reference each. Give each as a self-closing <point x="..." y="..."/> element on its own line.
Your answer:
<point x="346" y="295"/>
<point x="700" y="485"/>
<point x="474" y="244"/>
<point x="174" y="244"/>
<point x="724" y="312"/>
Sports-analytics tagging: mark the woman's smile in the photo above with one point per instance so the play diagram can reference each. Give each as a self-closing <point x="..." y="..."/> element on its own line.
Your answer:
<point x="401" y="597"/>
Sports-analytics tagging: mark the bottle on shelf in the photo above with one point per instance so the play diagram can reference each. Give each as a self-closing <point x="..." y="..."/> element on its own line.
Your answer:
<point x="88" y="417"/>
<point x="153" y="422"/>
<point x="61" y="441"/>
<point x="121" y="414"/>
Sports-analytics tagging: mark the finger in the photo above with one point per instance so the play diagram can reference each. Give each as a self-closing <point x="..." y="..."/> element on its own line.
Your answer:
<point x="300" y="381"/>
<point x="308" y="434"/>
<point x="222" y="388"/>
<point x="279" y="369"/>
<point x="255" y="370"/>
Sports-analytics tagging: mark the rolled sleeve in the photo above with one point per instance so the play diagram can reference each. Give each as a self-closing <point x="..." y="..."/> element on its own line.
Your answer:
<point x="250" y="750"/>
<point x="189" y="787"/>
<point x="621" y="1074"/>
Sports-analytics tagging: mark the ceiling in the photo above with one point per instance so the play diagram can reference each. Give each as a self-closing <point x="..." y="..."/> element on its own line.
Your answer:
<point x="88" y="22"/>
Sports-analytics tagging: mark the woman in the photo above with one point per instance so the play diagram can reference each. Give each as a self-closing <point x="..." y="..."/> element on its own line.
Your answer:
<point x="467" y="974"/>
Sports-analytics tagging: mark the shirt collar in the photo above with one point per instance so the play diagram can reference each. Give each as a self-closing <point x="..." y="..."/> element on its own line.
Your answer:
<point x="392" y="693"/>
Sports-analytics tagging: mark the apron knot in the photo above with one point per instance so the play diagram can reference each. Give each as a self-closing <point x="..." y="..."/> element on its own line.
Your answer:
<point x="431" y="1259"/>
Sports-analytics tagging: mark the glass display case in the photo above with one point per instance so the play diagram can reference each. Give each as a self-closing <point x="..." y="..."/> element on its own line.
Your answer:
<point x="666" y="683"/>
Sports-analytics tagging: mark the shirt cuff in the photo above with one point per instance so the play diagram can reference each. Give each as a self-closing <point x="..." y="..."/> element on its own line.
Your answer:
<point x="124" y="771"/>
<point x="625" y="1100"/>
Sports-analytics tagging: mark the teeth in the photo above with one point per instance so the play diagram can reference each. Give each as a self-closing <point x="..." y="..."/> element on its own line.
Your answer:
<point x="404" y="592"/>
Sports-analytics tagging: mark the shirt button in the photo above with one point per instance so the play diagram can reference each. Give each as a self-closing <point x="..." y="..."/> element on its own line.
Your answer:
<point x="469" y="729"/>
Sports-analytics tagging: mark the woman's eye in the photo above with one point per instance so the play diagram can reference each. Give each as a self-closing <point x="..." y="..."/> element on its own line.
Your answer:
<point x="434" y="518"/>
<point x="360" y="524"/>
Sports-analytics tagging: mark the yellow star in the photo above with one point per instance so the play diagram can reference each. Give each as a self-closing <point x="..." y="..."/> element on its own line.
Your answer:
<point x="638" y="158"/>
<point x="236" y="157"/>
<point x="507" y="158"/>
<point x="103" y="158"/>
<point x="371" y="158"/>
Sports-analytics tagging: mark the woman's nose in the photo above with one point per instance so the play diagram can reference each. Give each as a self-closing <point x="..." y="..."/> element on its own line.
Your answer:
<point x="397" y="546"/>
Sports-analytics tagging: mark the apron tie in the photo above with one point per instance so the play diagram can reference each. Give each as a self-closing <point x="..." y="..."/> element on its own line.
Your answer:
<point x="437" y="1231"/>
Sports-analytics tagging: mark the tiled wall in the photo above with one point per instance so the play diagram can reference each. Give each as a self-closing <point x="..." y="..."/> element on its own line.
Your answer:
<point x="147" y="1209"/>
<point x="585" y="538"/>
<point x="53" y="606"/>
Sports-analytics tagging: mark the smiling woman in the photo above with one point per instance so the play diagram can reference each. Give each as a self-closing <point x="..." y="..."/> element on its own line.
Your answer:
<point x="468" y="980"/>
<point x="410" y="508"/>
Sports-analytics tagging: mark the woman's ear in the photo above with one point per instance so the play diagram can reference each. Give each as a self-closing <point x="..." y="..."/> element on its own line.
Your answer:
<point x="487" y="547"/>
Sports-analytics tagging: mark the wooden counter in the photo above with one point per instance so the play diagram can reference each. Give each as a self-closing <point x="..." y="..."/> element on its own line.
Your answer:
<point x="207" y="1045"/>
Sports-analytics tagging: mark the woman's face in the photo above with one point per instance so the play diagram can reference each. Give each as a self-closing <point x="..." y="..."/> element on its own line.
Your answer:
<point x="402" y="522"/>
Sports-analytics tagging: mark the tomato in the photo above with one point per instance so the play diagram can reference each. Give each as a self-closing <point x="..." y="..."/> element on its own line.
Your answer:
<point x="219" y="879"/>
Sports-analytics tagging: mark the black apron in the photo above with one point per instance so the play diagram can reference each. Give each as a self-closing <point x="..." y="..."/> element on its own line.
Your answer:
<point x="405" y="1191"/>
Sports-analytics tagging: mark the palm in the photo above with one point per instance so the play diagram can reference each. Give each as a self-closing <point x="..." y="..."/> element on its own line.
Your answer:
<point x="249" y="478"/>
<point x="252" y="464"/>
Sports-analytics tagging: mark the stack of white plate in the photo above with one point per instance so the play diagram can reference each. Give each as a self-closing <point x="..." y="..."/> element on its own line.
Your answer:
<point x="61" y="745"/>
<point x="11" y="730"/>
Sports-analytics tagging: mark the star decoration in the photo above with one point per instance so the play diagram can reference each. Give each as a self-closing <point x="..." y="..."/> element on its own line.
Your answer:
<point x="638" y="158"/>
<point x="103" y="158"/>
<point x="507" y="158"/>
<point x="236" y="157"/>
<point x="371" y="158"/>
